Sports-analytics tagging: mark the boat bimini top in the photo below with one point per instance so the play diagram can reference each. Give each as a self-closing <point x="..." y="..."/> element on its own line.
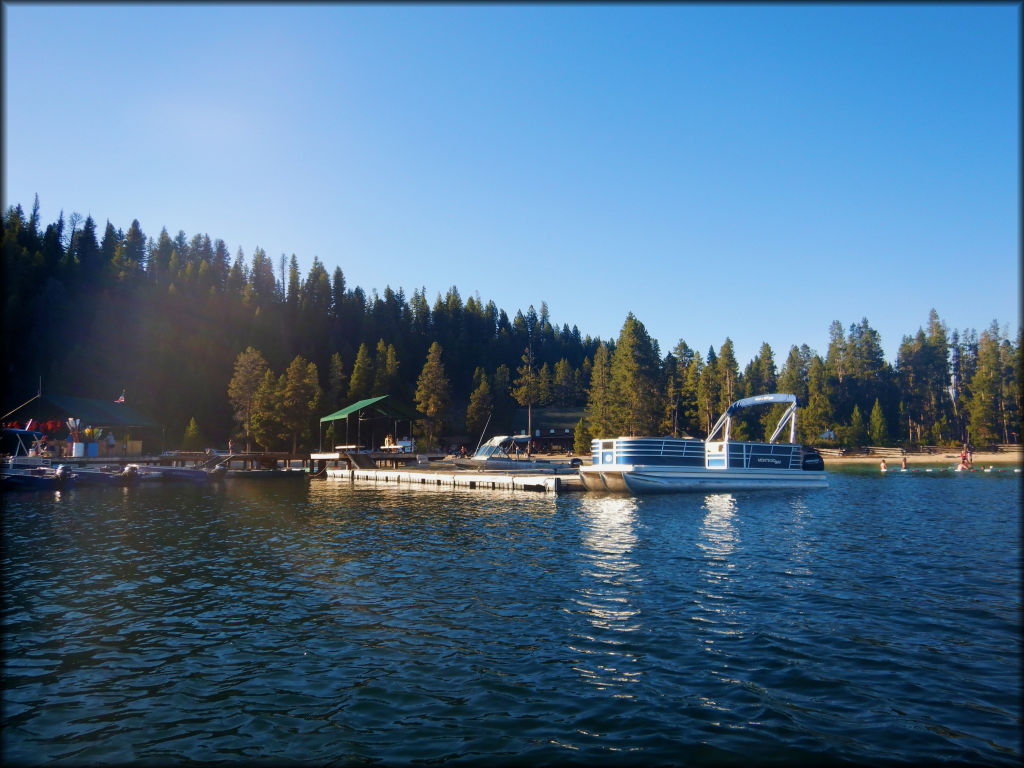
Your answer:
<point x="502" y="446"/>
<point x="725" y="420"/>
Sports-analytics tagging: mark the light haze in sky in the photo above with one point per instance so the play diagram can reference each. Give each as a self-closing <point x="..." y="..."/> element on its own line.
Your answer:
<point x="744" y="171"/>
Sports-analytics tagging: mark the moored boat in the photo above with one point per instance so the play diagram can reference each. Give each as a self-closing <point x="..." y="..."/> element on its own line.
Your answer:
<point x="22" y="470"/>
<point x="640" y="465"/>
<point x="108" y="475"/>
<point x="39" y="478"/>
<point x="188" y="474"/>
<point x="508" y="453"/>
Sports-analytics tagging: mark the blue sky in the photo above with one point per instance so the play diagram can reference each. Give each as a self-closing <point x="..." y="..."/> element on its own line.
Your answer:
<point x="744" y="171"/>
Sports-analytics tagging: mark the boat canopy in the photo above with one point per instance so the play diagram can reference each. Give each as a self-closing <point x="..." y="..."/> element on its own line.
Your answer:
<point x="747" y="402"/>
<point x="499" y="445"/>
<point x="17" y="442"/>
<point x="773" y="399"/>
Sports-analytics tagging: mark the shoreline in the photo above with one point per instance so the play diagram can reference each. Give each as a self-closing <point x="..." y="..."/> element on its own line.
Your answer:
<point x="981" y="459"/>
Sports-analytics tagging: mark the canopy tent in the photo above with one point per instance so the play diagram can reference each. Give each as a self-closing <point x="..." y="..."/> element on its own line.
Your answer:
<point x="93" y="413"/>
<point x="372" y="409"/>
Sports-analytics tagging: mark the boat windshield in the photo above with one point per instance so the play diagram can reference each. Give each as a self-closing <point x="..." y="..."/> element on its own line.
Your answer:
<point x="485" y="451"/>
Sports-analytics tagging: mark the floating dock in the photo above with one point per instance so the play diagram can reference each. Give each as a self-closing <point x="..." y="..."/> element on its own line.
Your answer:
<point x="427" y="470"/>
<point x="512" y="481"/>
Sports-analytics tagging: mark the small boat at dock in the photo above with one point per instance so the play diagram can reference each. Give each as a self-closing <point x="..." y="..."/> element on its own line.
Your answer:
<point x="22" y="470"/>
<point x="108" y="475"/>
<point x="641" y="465"/>
<point x="504" y="453"/>
<point x="38" y="478"/>
<point x="188" y="474"/>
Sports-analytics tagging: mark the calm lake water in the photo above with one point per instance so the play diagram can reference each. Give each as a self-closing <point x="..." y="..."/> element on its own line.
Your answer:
<point x="877" y="621"/>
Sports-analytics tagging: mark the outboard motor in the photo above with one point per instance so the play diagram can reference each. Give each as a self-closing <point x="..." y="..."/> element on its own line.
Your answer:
<point x="812" y="461"/>
<point x="63" y="475"/>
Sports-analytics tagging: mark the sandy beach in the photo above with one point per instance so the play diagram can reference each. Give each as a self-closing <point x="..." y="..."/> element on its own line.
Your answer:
<point x="951" y="457"/>
<point x="981" y="459"/>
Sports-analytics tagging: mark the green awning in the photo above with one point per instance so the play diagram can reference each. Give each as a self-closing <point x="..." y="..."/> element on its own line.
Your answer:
<point x="348" y="410"/>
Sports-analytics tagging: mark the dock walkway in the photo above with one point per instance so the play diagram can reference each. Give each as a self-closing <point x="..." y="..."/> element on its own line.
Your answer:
<point x="516" y="481"/>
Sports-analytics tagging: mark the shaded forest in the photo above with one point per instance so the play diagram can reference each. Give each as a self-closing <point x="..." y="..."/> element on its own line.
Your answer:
<point x="215" y="344"/>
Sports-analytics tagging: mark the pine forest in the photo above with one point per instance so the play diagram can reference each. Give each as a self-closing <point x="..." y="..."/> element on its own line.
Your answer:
<point x="214" y="344"/>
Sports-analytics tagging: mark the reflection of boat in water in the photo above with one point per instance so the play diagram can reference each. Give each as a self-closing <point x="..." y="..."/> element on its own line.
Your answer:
<point x="510" y="452"/>
<point x="658" y="465"/>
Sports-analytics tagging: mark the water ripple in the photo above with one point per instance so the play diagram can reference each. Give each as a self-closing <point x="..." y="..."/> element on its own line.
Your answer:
<point x="346" y="624"/>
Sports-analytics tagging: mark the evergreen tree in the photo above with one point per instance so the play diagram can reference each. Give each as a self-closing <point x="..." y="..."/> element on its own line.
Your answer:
<point x="480" y="404"/>
<point x="86" y="250"/>
<point x="360" y="385"/>
<point x="818" y="417"/>
<point x="759" y="378"/>
<point x="672" y="380"/>
<point x="380" y="368"/>
<point x="337" y="383"/>
<point x="110" y="247"/>
<point x="501" y="391"/>
<point x="392" y="380"/>
<point x="877" y="429"/>
<point x="545" y="385"/>
<point x="433" y="393"/>
<point x="857" y="434"/>
<point x="985" y="402"/>
<point x="581" y="444"/>
<point x="130" y="257"/>
<point x="634" y="380"/>
<point x="268" y="430"/>
<point x="728" y="372"/>
<point x="193" y="440"/>
<point x="526" y="389"/>
<point x="793" y="377"/>
<point x="689" y="400"/>
<point x="249" y="372"/>
<point x="300" y="400"/>
<point x="599" y="415"/>
<point x="708" y="393"/>
<point x="237" y="277"/>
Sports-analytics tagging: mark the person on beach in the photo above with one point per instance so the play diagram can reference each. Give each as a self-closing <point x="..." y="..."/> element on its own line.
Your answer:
<point x="903" y="464"/>
<point x="882" y="466"/>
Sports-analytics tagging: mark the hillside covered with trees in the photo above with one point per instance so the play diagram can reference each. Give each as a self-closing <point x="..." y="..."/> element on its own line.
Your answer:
<point x="215" y="344"/>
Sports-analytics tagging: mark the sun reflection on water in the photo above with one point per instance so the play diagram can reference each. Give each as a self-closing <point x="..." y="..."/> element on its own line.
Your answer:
<point x="606" y="596"/>
<point x="719" y="540"/>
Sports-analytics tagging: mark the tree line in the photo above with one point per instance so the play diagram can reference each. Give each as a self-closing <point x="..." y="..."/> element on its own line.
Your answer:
<point x="216" y="345"/>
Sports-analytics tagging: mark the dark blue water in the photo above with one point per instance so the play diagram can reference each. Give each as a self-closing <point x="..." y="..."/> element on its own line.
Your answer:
<point x="327" y="623"/>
